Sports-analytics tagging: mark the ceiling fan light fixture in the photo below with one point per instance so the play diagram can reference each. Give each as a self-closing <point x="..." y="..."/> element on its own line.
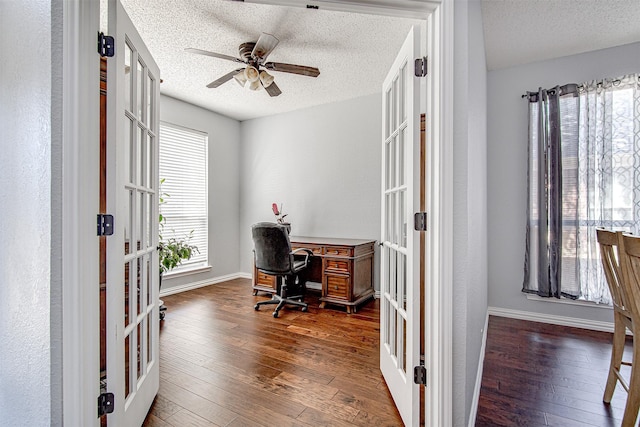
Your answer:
<point x="266" y="78"/>
<point x="240" y="78"/>
<point x="254" y="85"/>
<point x="251" y="74"/>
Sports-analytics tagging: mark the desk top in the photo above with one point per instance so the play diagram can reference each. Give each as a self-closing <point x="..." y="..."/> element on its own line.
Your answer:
<point x="328" y="241"/>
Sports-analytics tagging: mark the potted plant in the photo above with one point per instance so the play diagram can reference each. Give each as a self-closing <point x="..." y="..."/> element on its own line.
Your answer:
<point x="173" y="251"/>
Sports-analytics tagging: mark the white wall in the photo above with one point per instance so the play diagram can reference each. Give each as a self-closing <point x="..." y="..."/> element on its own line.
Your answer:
<point x="224" y="186"/>
<point x="507" y="152"/>
<point x="321" y="163"/>
<point x="470" y="204"/>
<point x="25" y="227"/>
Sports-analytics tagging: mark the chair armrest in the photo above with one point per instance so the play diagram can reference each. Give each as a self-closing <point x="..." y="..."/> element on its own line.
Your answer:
<point x="308" y="254"/>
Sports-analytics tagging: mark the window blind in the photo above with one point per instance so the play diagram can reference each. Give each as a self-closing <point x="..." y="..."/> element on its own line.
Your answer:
<point x="183" y="176"/>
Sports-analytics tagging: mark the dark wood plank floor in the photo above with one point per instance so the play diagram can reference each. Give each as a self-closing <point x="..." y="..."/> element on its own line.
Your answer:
<point x="224" y="364"/>
<point x="544" y="375"/>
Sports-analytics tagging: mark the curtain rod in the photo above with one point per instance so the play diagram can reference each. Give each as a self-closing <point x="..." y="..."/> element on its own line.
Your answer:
<point x="569" y="88"/>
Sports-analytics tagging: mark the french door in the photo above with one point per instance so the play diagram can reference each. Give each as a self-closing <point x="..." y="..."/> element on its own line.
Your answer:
<point x="132" y="197"/>
<point x="399" y="278"/>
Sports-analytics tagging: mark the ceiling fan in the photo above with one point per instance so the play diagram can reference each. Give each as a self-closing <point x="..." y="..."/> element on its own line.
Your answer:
<point x="254" y="74"/>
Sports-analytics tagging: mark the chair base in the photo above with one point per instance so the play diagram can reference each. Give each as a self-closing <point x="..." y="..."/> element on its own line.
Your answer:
<point x="281" y="302"/>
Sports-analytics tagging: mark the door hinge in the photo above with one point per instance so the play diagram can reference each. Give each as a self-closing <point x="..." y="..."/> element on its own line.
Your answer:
<point x="106" y="45"/>
<point x="105" y="225"/>
<point x="420" y="375"/>
<point x="421" y="67"/>
<point x="106" y="403"/>
<point x="420" y="221"/>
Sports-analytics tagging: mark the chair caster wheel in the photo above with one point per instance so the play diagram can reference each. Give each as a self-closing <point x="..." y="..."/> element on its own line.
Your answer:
<point x="304" y="309"/>
<point x="256" y="307"/>
<point x="275" y="314"/>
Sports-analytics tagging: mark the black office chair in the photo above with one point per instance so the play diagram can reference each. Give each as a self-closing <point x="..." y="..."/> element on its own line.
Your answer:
<point x="273" y="256"/>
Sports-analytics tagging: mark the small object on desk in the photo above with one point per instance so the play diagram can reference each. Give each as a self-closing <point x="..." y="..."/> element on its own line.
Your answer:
<point x="343" y="267"/>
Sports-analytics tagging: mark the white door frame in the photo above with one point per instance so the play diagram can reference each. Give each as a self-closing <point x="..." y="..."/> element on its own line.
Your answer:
<point x="80" y="157"/>
<point x="81" y="299"/>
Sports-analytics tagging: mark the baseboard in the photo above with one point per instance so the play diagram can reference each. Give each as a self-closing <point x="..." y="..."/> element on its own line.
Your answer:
<point x="202" y="283"/>
<point x="476" y="391"/>
<point x="593" y="325"/>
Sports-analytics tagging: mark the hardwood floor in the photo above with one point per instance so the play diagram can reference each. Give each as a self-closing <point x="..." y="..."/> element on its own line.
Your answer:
<point x="543" y="375"/>
<point x="224" y="364"/>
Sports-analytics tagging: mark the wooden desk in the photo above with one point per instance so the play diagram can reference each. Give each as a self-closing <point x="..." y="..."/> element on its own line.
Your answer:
<point x="342" y="269"/>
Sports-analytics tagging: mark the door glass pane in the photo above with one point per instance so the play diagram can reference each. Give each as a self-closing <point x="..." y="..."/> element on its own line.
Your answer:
<point x="386" y="333"/>
<point x="139" y="352"/>
<point x="148" y="345"/>
<point x="127" y="76"/>
<point x="402" y="218"/>
<point x="140" y="211"/>
<point x="402" y="284"/>
<point x="392" y="274"/>
<point x="128" y="147"/>
<point x="396" y="96"/>
<point x="139" y="89"/>
<point x="392" y="162"/>
<point x="392" y="332"/>
<point x="402" y="348"/>
<point x="128" y="206"/>
<point x="148" y="220"/>
<point x="148" y="162"/>
<point x="387" y="119"/>
<point x="391" y="217"/>
<point x="402" y="179"/>
<point x="148" y="281"/>
<point x="387" y="167"/>
<point x="139" y="286"/>
<point x="402" y="91"/>
<point x="127" y="372"/>
<point x="127" y="285"/>
<point x="148" y="106"/>
<point x="137" y="162"/>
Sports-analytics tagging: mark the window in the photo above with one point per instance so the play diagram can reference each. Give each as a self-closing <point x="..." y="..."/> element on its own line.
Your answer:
<point x="183" y="176"/>
<point x="584" y="164"/>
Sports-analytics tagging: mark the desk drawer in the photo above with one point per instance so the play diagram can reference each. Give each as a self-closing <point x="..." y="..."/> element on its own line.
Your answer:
<point x="337" y="265"/>
<point x="338" y="251"/>
<point x="317" y="250"/>
<point x="337" y="286"/>
<point x="265" y="279"/>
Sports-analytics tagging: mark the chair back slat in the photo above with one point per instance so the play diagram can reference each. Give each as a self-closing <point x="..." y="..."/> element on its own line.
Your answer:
<point x="630" y="248"/>
<point x="609" y="242"/>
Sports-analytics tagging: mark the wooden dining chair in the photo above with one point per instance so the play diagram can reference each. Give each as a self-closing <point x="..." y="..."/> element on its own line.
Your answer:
<point x="620" y="255"/>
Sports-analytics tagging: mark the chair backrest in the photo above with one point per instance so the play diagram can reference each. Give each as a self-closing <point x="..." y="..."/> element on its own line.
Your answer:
<point x="610" y="254"/>
<point x="631" y="274"/>
<point x="272" y="248"/>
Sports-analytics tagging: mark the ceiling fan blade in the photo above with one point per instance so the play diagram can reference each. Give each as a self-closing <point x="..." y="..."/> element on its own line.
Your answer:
<point x="213" y="54"/>
<point x="291" y="68"/>
<point x="214" y="84"/>
<point x="273" y="89"/>
<point x="264" y="46"/>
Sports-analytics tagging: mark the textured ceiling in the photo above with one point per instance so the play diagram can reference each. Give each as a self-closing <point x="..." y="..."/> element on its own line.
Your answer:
<point x="352" y="51"/>
<point x="522" y="31"/>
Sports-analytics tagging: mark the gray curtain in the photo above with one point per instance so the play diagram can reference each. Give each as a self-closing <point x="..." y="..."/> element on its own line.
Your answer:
<point x="548" y="141"/>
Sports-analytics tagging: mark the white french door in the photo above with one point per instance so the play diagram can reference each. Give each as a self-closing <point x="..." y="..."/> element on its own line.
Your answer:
<point x="399" y="277"/>
<point x="133" y="93"/>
